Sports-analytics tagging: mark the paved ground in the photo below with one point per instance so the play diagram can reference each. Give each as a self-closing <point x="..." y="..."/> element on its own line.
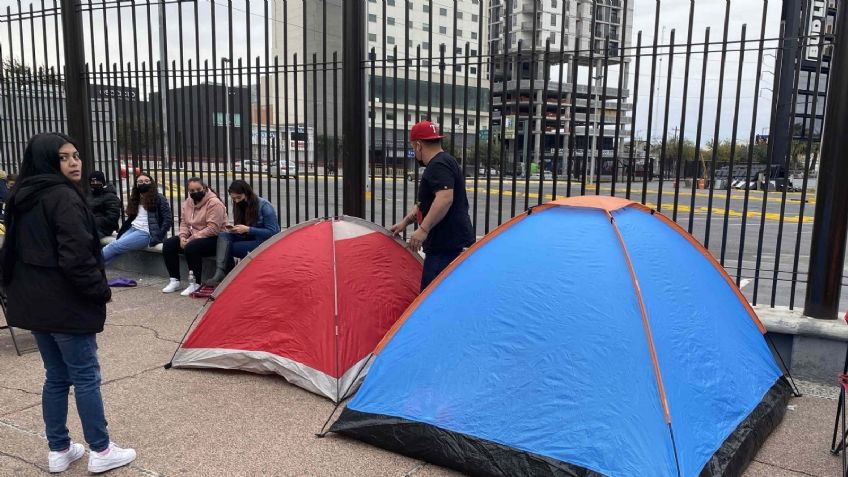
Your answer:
<point x="204" y="422"/>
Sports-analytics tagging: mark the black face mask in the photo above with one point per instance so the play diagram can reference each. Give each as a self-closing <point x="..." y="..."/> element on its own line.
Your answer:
<point x="97" y="188"/>
<point x="197" y="196"/>
<point x="143" y="188"/>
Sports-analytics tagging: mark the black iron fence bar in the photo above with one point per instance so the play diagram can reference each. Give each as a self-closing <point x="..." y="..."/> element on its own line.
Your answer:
<point x="297" y="146"/>
<point x="599" y="145"/>
<point x="800" y="46"/>
<point x="809" y="152"/>
<point x="697" y="159"/>
<point x="665" y="120"/>
<point x="543" y="121"/>
<point x="647" y="165"/>
<point x="681" y="139"/>
<point x="326" y="129"/>
<point x="373" y="146"/>
<point x="336" y="115"/>
<point x="729" y="179"/>
<point x="769" y="154"/>
<point x="559" y="136"/>
<point x="716" y="139"/>
<point x="751" y="139"/>
<point x="530" y="126"/>
<point x="630" y="161"/>
<point x="516" y="68"/>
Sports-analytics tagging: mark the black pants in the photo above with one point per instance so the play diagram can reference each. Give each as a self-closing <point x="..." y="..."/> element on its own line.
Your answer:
<point x="194" y="252"/>
<point x="434" y="263"/>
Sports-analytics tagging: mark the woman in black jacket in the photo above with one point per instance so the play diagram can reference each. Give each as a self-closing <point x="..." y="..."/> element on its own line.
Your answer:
<point x="148" y="220"/>
<point x="56" y="287"/>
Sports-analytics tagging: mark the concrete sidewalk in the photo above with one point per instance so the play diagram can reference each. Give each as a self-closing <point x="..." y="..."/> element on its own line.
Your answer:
<point x="206" y="422"/>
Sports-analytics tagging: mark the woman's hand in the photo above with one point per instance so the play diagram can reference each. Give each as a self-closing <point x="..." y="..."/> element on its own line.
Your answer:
<point x="240" y="229"/>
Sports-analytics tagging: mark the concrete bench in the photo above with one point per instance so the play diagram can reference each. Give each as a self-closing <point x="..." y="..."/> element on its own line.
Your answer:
<point x="149" y="261"/>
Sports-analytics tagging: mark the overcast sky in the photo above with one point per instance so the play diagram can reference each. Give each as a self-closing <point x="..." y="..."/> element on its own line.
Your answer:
<point x="674" y="14"/>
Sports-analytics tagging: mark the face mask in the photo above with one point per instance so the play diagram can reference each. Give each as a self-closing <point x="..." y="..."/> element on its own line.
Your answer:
<point x="197" y="196"/>
<point x="143" y="188"/>
<point x="96" y="188"/>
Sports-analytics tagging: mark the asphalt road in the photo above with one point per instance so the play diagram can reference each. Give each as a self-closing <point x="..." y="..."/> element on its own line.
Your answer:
<point x="770" y="244"/>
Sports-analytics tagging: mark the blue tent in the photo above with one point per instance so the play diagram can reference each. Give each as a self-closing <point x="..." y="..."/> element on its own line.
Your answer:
<point x="587" y="336"/>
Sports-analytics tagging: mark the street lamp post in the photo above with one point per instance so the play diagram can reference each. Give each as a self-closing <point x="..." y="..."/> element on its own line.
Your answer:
<point x="227" y="123"/>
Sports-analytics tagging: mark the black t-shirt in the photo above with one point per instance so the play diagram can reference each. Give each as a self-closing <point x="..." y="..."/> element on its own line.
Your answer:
<point x="455" y="231"/>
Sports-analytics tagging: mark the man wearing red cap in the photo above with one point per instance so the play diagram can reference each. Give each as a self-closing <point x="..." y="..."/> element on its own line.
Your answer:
<point x="444" y="227"/>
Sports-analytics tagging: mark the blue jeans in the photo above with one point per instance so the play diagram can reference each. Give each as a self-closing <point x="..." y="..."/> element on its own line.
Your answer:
<point x="434" y="263"/>
<point x="241" y="245"/>
<point x="71" y="359"/>
<point x="133" y="239"/>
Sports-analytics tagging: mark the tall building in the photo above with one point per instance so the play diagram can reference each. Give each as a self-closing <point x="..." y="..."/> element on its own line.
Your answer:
<point x="534" y="98"/>
<point x="407" y="77"/>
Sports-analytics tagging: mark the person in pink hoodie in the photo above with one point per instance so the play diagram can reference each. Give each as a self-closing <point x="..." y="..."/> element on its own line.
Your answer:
<point x="203" y="217"/>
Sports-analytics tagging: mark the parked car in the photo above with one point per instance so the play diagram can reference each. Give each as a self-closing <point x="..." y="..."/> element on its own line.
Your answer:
<point x="282" y="169"/>
<point x="249" y="165"/>
<point x="410" y="176"/>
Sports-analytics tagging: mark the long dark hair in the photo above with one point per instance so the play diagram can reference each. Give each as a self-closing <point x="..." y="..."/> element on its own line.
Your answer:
<point x="247" y="214"/>
<point x="39" y="166"/>
<point x="148" y="199"/>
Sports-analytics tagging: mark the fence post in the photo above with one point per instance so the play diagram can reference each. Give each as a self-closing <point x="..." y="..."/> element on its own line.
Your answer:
<point x="76" y="84"/>
<point x="827" y="252"/>
<point x="354" y="108"/>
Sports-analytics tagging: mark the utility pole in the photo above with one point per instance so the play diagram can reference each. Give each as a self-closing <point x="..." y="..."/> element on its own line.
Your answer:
<point x="76" y="84"/>
<point x="830" y="229"/>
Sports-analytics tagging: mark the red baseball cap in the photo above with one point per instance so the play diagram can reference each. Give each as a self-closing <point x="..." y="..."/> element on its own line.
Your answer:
<point x="424" y="131"/>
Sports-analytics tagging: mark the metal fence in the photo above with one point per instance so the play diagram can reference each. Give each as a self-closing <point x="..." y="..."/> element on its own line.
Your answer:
<point x="539" y="100"/>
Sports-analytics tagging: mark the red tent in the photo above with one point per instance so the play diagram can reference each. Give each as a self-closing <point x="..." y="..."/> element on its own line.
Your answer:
<point x="310" y="304"/>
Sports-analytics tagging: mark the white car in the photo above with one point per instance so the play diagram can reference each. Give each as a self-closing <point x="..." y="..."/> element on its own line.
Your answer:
<point x="248" y="166"/>
<point x="282" y="169"/>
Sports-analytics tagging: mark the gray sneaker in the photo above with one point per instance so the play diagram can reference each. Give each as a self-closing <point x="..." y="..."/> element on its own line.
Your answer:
<point x="113" y="458"/>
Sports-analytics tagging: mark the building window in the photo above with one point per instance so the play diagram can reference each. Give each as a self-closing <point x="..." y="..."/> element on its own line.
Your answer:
<point x="390" y="20"/>
<point x="425" y="27"/>
<point x="459" y="33"/>
<point x="458" y="68"/>
<point x="409" y="24"/>
<point x="474" y="18"/>
<point x="390" y="39"/>
<point x="390" y="3"/>
<point x="473" y="35"/>
<point x="553" y="20"/>
<point x="372" y="18"/>
<point x="443" y="30"/>
<point x="372" y="37"/>
<point x="459" y="15"/>
<point x="472" y="122"/>
<point x="473" y="52"/>
<point x="425" y="45"/>
<point x="409" y="43"/>
<point x="426" y="8"/>
<point x="390" y="116"/>
<point x="472" y="70"/>
<point x="553" y="4"/>
<point x="443" y="12"/>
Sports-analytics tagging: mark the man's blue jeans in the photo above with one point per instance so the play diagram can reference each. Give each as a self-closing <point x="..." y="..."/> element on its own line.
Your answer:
<point x="71" y="359"/>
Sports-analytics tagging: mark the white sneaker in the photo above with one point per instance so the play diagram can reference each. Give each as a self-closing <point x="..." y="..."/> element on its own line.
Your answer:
<point x="59" y="461"/>
<point x="115" y="457"/>
<point x="173" y="286"/>
<point x="190" y="289"/>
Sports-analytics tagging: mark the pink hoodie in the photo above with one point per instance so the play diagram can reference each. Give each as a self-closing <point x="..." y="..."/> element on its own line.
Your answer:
<point x="204" y="219"/>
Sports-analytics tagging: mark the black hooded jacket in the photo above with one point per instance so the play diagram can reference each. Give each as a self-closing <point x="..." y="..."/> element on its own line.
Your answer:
<point x="106" y="207"/>
<point x="52" y="265"/>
